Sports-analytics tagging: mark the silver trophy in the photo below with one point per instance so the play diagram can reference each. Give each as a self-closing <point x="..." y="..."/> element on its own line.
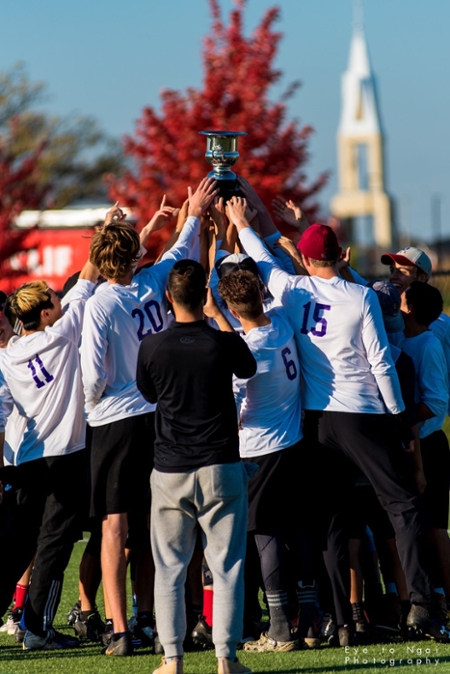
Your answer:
<point x="221" y="152"/>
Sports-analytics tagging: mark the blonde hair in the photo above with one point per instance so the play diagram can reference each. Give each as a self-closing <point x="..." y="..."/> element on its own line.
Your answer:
<point x="115" y="249"/>
<point x="28" y="301"/>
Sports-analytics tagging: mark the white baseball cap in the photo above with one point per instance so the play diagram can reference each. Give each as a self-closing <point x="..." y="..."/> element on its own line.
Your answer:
<point x="410" y="257"/>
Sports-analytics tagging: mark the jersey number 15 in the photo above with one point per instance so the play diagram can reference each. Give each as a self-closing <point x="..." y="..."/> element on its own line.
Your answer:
<point x="320" y="327"/>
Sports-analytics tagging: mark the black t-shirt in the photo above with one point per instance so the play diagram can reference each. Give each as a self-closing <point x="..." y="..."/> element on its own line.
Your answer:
<point x="187" y="370"/>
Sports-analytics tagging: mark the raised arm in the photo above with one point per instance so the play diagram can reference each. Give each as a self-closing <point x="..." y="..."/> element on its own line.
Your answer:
<point x="290" y="213"/>
<point x="274" y="278"/>
<point x="162" y="216"/>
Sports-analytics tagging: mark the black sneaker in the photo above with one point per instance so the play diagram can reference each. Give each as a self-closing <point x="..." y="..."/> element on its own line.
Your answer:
<point x="119" y="644"/>
<point x="90" y="629"/>
<point x="428" y="622"/>
<point x="202" y="634"/>
<point x="106" y="636"/>
<point x="143" y="630"/>
<point x="74" y="613"/>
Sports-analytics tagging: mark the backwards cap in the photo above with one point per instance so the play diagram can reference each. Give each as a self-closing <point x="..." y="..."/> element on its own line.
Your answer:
<point x="410" y="257"/>
<point x="390" y="301"/>
<point x="234" y="262"/>
<point x="319" y="242"/>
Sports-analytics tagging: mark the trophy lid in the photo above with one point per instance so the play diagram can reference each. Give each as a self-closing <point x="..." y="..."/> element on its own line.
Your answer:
<point x="223" y="134"/>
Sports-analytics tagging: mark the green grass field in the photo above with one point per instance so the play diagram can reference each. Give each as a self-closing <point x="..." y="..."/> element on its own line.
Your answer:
<point x="88" y="659"/>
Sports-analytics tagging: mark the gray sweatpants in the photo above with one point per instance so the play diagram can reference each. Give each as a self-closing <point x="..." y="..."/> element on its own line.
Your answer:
<point x="215" y="497"/>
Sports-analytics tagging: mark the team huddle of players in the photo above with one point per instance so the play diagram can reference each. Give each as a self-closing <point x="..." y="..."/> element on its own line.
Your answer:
<point x="340" y="431"/>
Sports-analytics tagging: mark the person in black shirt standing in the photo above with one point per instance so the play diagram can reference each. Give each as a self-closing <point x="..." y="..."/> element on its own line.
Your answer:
<point x="198" y="480"/>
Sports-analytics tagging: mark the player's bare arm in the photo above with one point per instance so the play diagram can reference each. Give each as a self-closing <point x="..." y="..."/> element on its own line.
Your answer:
<point x="211" y="310"/>
<point x="266" y="224"/>
<point x="163" y="215"/>
<point x="288" y="247"/>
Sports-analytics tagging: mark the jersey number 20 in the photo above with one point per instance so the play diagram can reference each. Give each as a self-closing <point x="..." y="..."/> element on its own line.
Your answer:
<point x="153" y="313"/>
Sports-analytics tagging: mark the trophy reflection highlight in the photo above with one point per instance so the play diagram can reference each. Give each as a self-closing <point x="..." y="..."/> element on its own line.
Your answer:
<point x="222" y="153"/>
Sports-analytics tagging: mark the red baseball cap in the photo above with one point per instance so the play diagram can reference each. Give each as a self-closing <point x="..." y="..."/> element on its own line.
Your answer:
<point x="319" y="242"/>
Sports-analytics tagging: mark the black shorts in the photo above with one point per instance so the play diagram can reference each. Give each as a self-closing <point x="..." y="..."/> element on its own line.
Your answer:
<point x="121" y="462"/>
<point x="273" y="491"/>
<point x="436" y="466"/>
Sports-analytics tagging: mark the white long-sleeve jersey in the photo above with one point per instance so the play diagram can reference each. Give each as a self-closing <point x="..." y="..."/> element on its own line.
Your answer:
<point x="344" y="352"/>
<point x="117" y="319"/>
<point x="41" y="379"/>
<point x="269" y="407"/>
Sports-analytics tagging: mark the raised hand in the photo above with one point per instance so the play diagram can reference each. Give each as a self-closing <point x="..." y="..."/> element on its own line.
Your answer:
<point x="236" y="208"/>
<point x="287" y="211"/>
<point x="162" y="216"/>
<point x="251" y="195"/>
<point x="202" y="197"/>
<point x="115" y="214"/>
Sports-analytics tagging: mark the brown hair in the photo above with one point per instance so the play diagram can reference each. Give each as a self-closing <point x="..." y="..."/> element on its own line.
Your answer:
<point x="242" y="292"/>
<point x="323" y="263"/>
<point x="28" y="301"/>
<point x="115" y="249"/>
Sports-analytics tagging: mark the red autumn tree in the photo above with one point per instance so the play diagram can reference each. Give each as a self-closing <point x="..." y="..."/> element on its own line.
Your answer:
<point x="169" y="154"/>
<point x="19" y="188"/>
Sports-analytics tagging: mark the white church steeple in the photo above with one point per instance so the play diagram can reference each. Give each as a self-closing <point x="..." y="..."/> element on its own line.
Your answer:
<point x="360" y="143"/>
<point x="359" y="102"/>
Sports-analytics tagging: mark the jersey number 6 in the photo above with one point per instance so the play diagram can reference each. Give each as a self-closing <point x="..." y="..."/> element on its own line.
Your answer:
<point x="291" y="370"/>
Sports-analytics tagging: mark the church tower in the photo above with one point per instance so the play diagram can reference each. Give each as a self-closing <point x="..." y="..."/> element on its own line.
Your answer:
<point x="360" y="147"/>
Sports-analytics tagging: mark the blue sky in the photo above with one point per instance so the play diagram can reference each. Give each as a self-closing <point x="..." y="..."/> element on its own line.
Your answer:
<point x="109" y="58"/>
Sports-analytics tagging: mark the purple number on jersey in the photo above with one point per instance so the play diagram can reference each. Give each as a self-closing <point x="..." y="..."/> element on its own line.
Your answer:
<point x="317" y="318"/>
<point x="291" y="369"/>
<point x="153" y="312"/>
<point x="47" y="376"/>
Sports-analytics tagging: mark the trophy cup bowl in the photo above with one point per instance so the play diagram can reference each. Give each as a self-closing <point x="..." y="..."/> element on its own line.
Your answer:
<point x="221" y="153"/>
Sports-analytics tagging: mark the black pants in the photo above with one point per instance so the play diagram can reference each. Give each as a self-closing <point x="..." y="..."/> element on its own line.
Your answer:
<point x="368" y="442"/>
<point x="44" y="517"/>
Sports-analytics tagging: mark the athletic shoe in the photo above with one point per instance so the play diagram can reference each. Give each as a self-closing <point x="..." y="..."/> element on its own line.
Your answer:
<point x="439" y="605"/>
<point x="12" y="621"/>
<point x="106" y="636"/>
<point x="362" y="632"/>
<point x="312" y="639"/>
<point x="74" y="613"/>
<point x="119" y="644"/>
<point x="202" y="634"/>
<point x="227" y="666"/>
<point x="90" y="629"/>
<point x="345" y="636"/>
<point x="19" y="634"/>
<point x="428" y="622"/>
<point x="51" y="642"/>
<point x="143" y="630"/>
<point x="266" y="644"/>
<point x="175" y="666"/>
<point x="328" y="629"/>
